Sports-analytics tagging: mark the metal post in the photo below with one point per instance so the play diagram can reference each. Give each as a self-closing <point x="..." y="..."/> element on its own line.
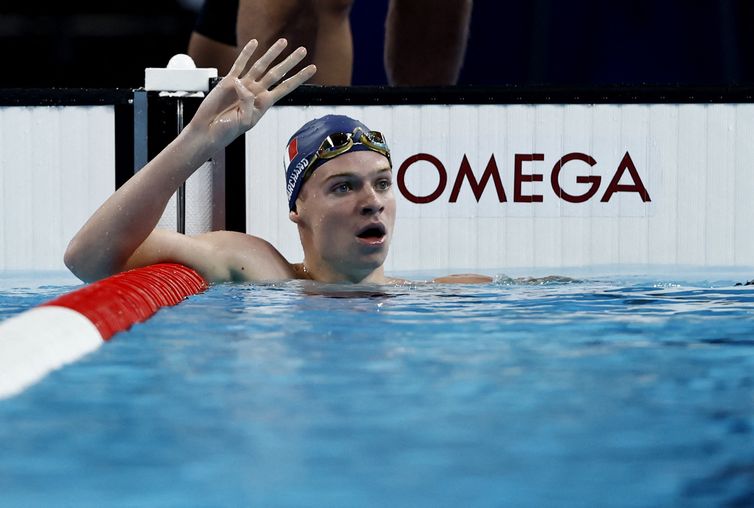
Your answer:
<point x="181" y="198"/>
<point x="141" y="150"/>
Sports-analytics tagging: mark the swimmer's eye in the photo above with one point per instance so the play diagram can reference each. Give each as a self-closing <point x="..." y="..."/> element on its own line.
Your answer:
<point x="342" y="188"/>
<point x="384" y="184"/>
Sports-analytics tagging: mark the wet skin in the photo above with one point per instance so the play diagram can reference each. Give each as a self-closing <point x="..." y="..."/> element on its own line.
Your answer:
<point x="346" y="215"/>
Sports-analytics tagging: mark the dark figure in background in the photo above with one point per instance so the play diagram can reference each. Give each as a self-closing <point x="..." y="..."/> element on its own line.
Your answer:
<point x="588" y="42"/>
<point x="593" y="42"/>
<point x="424" y="42"/>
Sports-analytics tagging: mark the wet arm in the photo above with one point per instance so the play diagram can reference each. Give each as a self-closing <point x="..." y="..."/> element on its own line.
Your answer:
<point x="464" y="278"/>
<point x="107" y="240"/>
<point x="116" y="230"/>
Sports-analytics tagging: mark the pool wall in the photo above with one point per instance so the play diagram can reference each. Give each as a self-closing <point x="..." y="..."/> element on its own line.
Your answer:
<point x="487" y="179"/>
<point x="56" y="166"/>
<point x="63" y="152"/>
<point x="566" y="184"/>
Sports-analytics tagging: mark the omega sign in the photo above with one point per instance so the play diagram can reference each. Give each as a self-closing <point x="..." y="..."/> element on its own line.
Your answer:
<point x="525" y="171"/>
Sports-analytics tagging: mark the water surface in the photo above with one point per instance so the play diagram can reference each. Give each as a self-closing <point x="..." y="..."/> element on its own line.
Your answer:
<point x="606" y="391"/>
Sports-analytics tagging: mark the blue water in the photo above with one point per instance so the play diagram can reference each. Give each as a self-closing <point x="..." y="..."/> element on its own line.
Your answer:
<point x="625" y="391"/>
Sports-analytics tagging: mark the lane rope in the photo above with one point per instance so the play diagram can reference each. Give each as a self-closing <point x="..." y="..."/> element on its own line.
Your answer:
<point x="61" y="331"/>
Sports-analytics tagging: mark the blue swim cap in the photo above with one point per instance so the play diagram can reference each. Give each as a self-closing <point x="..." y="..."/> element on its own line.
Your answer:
<point x="303" y="145"/>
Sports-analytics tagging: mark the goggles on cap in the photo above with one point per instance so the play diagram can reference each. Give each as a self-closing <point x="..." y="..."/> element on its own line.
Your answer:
<point x="339" y="143"/>
<point x="333" y="145"/>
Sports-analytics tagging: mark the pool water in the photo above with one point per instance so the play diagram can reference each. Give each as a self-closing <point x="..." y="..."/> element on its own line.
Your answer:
<point x="625" y="391"/>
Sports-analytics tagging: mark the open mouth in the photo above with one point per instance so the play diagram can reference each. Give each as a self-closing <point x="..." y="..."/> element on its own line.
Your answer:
<point x="372" y="233"/>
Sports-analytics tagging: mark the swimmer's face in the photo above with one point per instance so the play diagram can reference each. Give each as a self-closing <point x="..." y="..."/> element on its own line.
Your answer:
<point x="346" y="211"/>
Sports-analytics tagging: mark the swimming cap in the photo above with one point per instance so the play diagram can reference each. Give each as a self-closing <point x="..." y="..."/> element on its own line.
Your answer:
<point x="303" y="145"/>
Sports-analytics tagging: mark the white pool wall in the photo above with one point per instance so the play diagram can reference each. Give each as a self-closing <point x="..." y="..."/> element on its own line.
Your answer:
<point x="696" y="162"/>
<point x="57" y="165"/>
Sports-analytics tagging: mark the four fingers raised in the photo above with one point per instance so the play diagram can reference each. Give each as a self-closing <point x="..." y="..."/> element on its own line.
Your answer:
<point x="243" y="58"/>
<point x="292" y="83"/>
<point x="279" y="71"/>
<point x="260" y="66"/>
<point x="258" y="73"/>
<point x="256" y="82"/>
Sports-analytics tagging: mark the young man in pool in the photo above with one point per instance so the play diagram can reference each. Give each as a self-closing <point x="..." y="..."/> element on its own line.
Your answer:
<point x="339" y="181"/>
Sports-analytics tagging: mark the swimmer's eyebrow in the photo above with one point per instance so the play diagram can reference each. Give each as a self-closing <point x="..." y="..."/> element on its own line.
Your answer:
<point x="349" y="174"/>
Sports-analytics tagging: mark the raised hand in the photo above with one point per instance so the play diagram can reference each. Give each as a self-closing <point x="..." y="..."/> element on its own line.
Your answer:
<point x="242" y="97"/>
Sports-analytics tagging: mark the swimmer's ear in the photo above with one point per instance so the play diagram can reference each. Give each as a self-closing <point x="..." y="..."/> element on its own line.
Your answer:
<point x="294" y="217"/>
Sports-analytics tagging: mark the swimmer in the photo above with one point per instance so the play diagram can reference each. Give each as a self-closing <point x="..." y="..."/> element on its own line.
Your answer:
<point x="339" y="183"/>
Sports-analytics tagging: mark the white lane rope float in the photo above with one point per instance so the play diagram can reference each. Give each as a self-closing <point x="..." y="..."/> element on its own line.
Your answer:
<point x="58" y="332"/>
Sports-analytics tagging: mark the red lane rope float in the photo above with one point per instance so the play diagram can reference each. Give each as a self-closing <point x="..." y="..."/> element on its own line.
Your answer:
<point x="116" y="303"/>
<point x="61" y="331"/>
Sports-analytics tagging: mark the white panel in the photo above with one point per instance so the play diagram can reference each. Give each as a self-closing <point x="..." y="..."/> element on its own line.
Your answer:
<point x="461" y="231"/>
<point x="405" y="142"/>
<point x="694" y="161"/>
<point x="86" y="164"/>
<point x="548" y="140"/>
<point x="460" y="140"/>
<point x="607" y="150"/>
<point x="520" y="232"/>
<point x="521" y="140"/>
<point x="198" y="204"/>
<point x="577" y="138"/>
<point x="490" y="246"/>
<point x="632" y="226"/>
<point x="744" y="185"/>
<point x="663" y="169"/>
<point x="45" y="185"/>
<point x="3" y="187"/>
<point x="577" y="129"/>
<point x="204" y="200"/>
<point x="492" y="141"/>
<point x="692" y="184"/>
<point x="169" y="218"/>
<point x="574" y="249"/>
<point x="434" y="240"/>
<point x="547" y="233"/>
<point x="519" y="241"/>
<point x="17" y="186"/>
<point x="58" y="166"/>
<point x="74" y="167"/>
<point x="720" y="203"/>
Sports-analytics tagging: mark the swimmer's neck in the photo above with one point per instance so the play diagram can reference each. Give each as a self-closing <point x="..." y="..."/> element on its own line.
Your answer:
<point x="323" y="272"/>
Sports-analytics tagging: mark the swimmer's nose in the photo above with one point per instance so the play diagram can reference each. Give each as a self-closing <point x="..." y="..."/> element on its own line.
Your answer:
<point x="371" y="203"/>
<point x="371" y="210"/>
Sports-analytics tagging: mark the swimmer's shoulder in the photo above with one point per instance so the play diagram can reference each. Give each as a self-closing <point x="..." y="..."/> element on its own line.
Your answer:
<point x="250" y="258"/>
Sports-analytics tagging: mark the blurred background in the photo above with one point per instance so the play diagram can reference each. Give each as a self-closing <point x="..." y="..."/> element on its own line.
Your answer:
<point x="89" y="44"/>
<point x="535" y="42"/>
